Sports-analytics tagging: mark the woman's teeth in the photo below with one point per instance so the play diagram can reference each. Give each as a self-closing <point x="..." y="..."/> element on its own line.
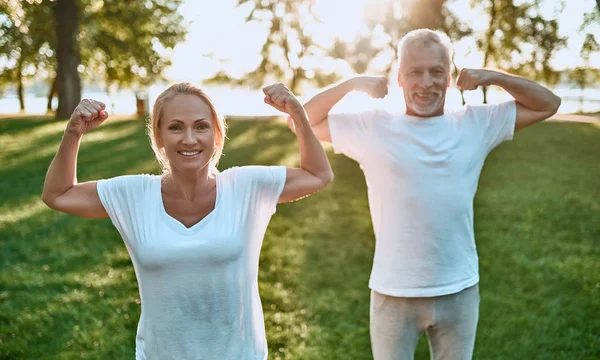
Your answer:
<point x="189" y="153"/>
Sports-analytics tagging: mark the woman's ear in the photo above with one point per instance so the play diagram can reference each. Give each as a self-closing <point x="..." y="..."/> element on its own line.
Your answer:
<point x="159" y="140"/>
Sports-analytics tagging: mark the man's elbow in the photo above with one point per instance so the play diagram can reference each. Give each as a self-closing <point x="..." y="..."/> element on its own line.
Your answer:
<point x="329" y="177"/>
<point x="554" y="105"/>
<point x="325" y="179"/>
<point x="551" y="109"/>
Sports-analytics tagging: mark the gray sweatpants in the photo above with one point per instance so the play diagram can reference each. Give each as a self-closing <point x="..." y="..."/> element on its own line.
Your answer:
<point x="450" y="322"/>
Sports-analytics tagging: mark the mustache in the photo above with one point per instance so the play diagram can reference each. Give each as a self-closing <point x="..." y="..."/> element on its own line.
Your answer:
<point x="435" y="92"/>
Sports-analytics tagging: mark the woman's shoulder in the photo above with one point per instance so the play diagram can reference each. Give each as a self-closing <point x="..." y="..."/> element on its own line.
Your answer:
<point x="138" y="182"/>
<point x="250" y="173"/>
<point x="237" y="173"/>
<point x="249" y="170"/>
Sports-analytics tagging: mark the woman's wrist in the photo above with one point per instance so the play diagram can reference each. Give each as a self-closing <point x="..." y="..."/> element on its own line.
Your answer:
<point x="72" y="135"/>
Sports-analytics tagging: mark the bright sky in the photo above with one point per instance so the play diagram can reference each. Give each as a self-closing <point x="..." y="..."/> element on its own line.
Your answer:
<point x="218" y="28"/>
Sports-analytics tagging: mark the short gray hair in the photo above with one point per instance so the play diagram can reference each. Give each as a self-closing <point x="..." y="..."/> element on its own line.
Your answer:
<point x="427" y="36"/>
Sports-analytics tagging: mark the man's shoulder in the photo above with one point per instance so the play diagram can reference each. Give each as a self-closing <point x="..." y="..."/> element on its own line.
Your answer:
<point x="479" y="110"/>
<point x="371" y="114"/>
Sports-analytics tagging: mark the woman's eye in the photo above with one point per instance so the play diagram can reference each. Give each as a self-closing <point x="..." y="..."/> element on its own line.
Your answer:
<point x="175" y="127"/>
<point x="202" y="127"/>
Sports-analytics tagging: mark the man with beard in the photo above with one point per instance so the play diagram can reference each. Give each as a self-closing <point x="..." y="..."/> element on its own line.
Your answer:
<point x="422" y="167"/>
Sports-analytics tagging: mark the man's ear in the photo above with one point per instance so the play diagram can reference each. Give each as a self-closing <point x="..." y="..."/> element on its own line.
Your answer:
<point x="399" y="79"/>
<point x="449" y="80"/>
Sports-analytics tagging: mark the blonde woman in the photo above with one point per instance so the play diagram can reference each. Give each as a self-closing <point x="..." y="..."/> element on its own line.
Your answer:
<point x="193" y="233"/>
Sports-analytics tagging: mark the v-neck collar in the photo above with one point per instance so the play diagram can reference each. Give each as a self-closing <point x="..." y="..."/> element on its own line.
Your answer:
<point x="178" y="226"/>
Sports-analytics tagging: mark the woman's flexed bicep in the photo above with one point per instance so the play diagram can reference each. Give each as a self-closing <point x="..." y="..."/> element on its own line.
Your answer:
<point x="80" y="200"/>
<point x="61" y="190"/>
<point x="300" y="183"/>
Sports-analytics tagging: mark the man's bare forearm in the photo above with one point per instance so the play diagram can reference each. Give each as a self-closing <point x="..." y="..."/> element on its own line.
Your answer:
<point x="526" y="92"/>
<point x="319" y="106"/>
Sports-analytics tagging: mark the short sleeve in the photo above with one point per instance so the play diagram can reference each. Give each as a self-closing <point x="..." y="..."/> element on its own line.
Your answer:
<point x="351" y="133"/>
<point x="496" y="122"/>
<point x="266" y="185"/>
<point x="122" y="198"/>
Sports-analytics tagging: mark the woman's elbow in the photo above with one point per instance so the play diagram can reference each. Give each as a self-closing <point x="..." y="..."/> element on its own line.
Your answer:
<point x="49" y="200"/>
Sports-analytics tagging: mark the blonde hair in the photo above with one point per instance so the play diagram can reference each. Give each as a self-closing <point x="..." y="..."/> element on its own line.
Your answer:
<point x="184" y="88"/>
<point x="427" y="37"/>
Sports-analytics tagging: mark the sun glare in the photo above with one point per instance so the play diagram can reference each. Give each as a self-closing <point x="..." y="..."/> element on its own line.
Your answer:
<point x="347" y="26"/>
<point x="235" y="47"/>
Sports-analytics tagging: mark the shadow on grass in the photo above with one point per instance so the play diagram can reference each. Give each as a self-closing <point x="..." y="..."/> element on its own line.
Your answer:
<point x="257" y="143"/>
<point x="14" y="126"/>
<point x="49" y="143"/>
<point x="537" y="222"/>
<point x="23" y="177"/>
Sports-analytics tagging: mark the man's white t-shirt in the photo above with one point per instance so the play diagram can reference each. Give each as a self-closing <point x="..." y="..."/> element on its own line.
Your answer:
<point x="422" y="175"/>
<point x="198" y="286"/>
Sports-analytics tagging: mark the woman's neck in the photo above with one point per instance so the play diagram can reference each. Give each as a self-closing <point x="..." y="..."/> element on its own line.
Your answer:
<point x="188" y="185"/>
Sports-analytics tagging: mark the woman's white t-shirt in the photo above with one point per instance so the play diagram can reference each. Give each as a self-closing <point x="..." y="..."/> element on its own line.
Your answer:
<point x="198" y="286"/>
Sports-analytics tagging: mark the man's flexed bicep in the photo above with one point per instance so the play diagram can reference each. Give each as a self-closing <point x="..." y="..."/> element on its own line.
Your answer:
<point x="318" y="107"/>
<point x="322" y="131"/>
<point x="350" y="134"/>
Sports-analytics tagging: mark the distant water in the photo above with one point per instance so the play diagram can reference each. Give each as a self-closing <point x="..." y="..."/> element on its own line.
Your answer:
<point x="244" y="102"/>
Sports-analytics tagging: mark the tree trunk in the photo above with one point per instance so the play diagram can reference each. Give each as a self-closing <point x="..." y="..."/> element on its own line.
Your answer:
<point x="67" y="56"/>
<point x="20" y="87"/>
<point x="488" y="46"/>
<point x="295" y="83"/>
<point x="456" y="73"/>
<point x="484" y="90"/>
<point x="52" y="93"/>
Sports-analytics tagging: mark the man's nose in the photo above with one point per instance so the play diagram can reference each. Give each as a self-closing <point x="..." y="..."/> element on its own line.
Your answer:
<point x="427" y="79"/>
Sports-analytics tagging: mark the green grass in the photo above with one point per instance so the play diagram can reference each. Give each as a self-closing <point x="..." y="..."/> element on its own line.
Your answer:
<point x="68" y="290"/>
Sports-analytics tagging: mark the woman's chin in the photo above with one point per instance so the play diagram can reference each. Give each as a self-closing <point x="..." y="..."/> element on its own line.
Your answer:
<point x="190" y="166"/>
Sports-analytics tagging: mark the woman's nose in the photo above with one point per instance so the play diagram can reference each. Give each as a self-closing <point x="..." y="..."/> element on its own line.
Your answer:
<point x="189" y="138"/>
